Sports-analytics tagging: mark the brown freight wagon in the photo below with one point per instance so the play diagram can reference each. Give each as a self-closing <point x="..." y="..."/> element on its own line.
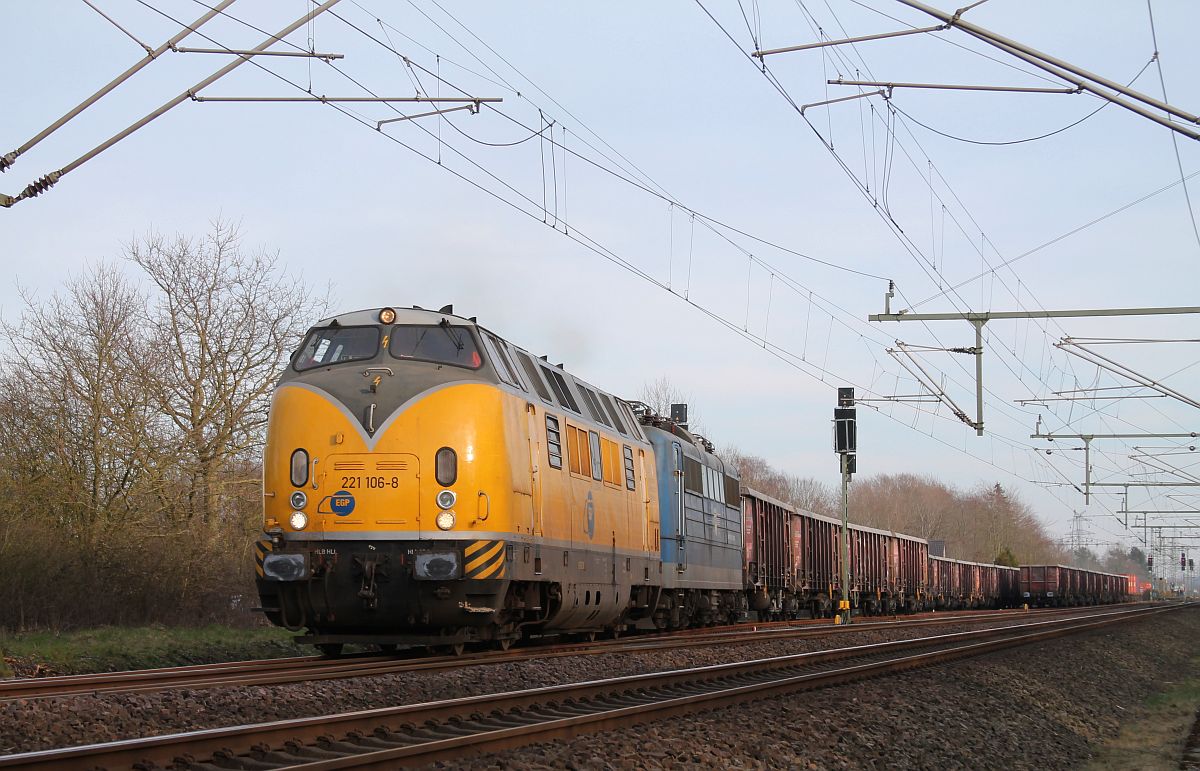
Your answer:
<point x="792" y="563"/>
<point x="1063" y="586"/>
<point x="958" y="584"/>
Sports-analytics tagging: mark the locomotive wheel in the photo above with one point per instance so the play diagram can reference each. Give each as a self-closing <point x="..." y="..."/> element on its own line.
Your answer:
<point x="453" y="649"/>
<point x="332" y="650"/>
<point x="504" y="643"/>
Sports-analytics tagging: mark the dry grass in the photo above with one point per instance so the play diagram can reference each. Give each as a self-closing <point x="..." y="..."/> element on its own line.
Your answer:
<point x="1153" y="737"/>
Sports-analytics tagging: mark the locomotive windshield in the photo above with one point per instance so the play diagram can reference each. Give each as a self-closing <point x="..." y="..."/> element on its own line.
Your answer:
<point x="439" y="343"/>
<point x="337" y="345"/>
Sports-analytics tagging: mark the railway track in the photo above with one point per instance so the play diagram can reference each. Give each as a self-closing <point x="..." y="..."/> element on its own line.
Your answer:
<point x="309" y="668"/>
<point x="423" y="733"/>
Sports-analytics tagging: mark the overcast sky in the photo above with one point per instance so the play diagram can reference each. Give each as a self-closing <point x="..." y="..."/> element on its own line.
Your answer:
<point x="672" y="170"/>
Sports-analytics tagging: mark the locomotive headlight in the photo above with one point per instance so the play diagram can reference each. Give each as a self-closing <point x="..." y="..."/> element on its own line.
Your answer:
<point x="387" y="316"/>
<point x="445" y="499"/>
<point x="445" y="520"/>
<point x="299" y="467"/>
<point x="445" y="466"/>
<point x="298" y="520"/>
<point x="299" y="499"/>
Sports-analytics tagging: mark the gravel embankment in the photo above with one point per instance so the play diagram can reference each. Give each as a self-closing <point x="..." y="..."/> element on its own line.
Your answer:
<point x="1015" y="710"/>
<point x="27" y="725"/>
<point x="1043" y="706"/>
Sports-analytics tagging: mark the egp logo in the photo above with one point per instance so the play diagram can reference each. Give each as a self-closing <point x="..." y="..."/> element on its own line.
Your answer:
<point x="341" y="503"/>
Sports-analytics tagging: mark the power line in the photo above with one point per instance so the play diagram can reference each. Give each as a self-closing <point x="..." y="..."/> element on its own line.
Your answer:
<point x="1174" y="138"/>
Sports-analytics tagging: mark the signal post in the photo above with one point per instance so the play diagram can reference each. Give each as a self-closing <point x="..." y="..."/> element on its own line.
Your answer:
<point x="845" y="440"/>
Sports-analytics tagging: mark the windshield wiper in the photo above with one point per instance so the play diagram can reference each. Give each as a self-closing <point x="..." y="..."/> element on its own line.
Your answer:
<point x="457" y="340"/>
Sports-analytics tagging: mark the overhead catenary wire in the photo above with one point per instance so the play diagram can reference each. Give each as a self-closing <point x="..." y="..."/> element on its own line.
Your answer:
<point x="118" y="25"/>
<point x="991" y="270"/>
<point x="591" y="247"/>
<point x="1187" y="196"/>
<point x="44" y="183"/>
<point x="10" y="158"/>
<point x="606" y="253"/>
<point x="783" y="92"/>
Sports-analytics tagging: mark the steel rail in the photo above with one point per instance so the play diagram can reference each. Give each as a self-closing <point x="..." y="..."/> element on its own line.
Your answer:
<point x="489" y="722"/>
<point x="312" y="668"/>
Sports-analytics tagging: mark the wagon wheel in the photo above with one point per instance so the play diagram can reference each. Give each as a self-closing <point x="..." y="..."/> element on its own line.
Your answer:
<point x="452" y="649"/>
<point x="504" y="643"/>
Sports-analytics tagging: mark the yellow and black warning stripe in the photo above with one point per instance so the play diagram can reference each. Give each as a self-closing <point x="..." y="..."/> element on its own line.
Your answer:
<point x="484" y="559"/>
<point x="261" y="550"/>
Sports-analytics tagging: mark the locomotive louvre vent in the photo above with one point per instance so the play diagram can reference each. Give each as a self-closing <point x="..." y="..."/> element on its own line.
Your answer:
<point x="391" y="465"/>
<point x="348" y="465"/>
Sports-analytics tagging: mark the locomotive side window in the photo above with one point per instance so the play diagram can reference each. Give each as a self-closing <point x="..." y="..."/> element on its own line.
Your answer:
<point x="597" y="463"/>
<point x="578" y="457"/>
<point x="593" y="404"/>
<point x="560" y="390"/>
<point x="630" y="420"/>
<point x="553" y="441"/>
<point x="337" y="345"/>
<point x="532" y="373"/>
<point x="439" y="343"/>
<point x="504" y="367"/>
<point x="731" y="490"/>
<point x="692" y="475"/>
<point x="611" y="461"/>
<point x="612" y="413"/>
<point x="630" y="482"/>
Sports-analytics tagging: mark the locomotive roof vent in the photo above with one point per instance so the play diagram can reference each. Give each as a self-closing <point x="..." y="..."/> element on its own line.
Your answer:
<point x="447" y="309"/>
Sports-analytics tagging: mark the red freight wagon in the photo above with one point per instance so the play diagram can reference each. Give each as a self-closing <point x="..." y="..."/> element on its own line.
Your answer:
<point x="957" y="584"/>
<point x="792" y="559"/>
<point x="1059" y="585"/>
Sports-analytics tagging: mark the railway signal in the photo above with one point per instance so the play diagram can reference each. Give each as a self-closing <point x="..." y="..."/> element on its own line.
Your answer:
<point x="845" y="444"/>
<point x="1183" y="561"/>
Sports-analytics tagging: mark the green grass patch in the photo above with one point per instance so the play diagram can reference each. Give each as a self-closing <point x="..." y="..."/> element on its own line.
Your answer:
<point x="1153" y="737"/>
<point x="112" y="649"/>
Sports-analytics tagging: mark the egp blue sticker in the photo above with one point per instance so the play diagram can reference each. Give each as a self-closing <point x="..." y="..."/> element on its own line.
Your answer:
<point x="341" y="503"/>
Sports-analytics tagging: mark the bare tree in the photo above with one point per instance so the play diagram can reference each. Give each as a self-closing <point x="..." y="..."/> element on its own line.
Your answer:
<point x="661" y="393"/>
<point x="75" y="394"/>
<point x="221" y="329"/>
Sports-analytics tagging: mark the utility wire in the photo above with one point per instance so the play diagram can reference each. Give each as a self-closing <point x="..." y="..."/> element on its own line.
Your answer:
<point x="1174" y="138"/>
<point x="607" y="254"/>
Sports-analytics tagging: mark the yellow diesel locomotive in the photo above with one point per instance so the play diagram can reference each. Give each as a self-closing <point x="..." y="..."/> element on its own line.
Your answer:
<point x="428" y="483"/>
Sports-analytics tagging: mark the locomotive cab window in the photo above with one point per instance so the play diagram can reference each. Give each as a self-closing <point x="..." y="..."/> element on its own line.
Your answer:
<point x="438" y="343"/>
<point x="337" y="345"/>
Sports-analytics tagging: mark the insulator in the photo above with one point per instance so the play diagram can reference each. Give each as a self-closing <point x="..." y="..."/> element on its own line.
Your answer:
<point x="40" y="186"/>
<point x="7" y="160"/>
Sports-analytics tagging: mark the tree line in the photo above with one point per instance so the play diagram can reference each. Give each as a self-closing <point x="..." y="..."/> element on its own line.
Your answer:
<point x="983" y="524"/>
<point x="132" y="407"/>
